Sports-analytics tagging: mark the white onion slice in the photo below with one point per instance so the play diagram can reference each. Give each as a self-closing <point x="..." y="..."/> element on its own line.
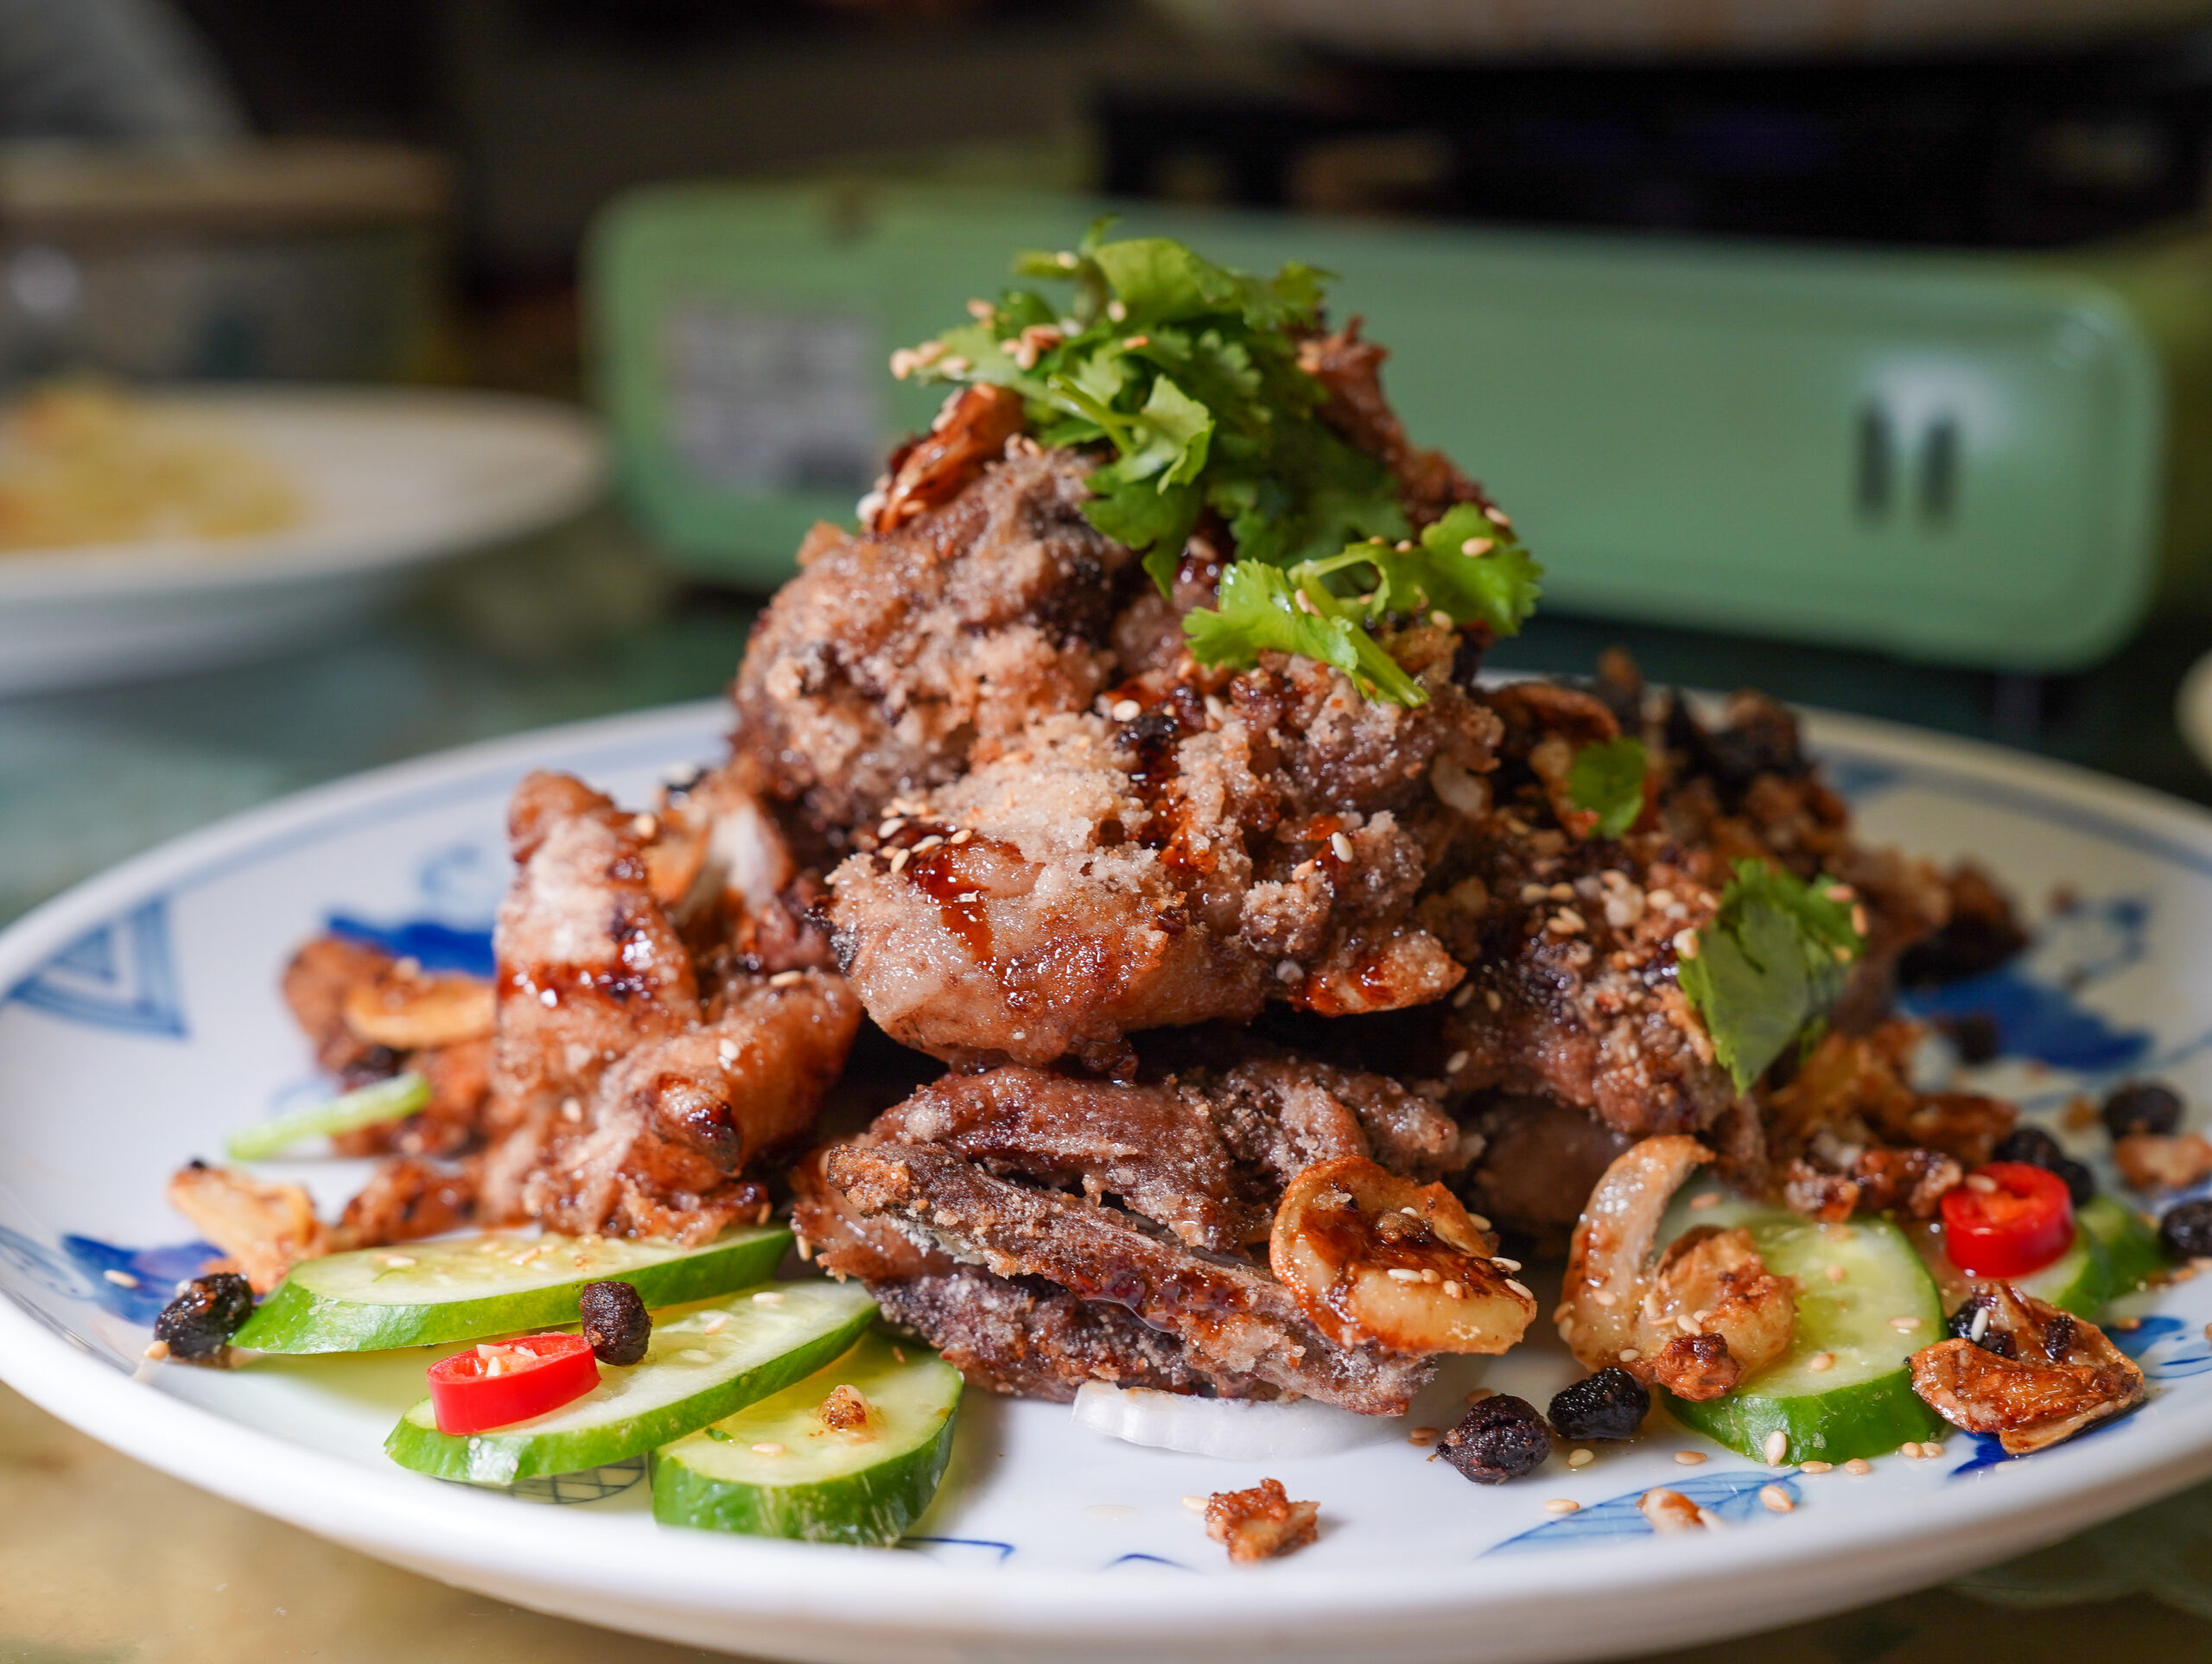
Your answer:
<point x="1235" y="1429"/>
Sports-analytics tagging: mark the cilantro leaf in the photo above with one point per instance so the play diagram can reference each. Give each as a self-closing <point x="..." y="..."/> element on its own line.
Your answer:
<point x="1258" y="610"/>
<point x="1770" y="964"/>
<point x="1607" y="779"/>
<point x="1187" y="373"/>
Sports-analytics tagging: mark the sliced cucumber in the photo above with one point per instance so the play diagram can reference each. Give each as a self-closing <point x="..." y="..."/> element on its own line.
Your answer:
<point x="2078" y="1280"/>
<point x="1861" y="1402"/>
<point x="695" y="1371"/>
<point x="2131" y="1247"/>
<point x="776" y="1469"/>
<point x="424" y="1293"/>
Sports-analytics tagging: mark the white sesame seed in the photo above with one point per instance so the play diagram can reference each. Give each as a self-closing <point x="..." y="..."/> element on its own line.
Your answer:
<point x="1982" y="1183"/>
<point x="157" y="1351"/>
<point x="1980" y="1326"/>
<point x="1605" y="1297"/>
<point x="1837" y="1274"/>
<point x="1127" y="710"/>
<point x="767" y="1297"/>
<point x="1495" y="1001"/>
<point x="1858" y="1465"/>
<point x="1685" y="944"/>
<point x="1431" y="1276"/>
<point x="1519" y="1290"/>
<point x="891" y="829"/>
<point x="898" y="860"/>
<point x="1561" y="893"/>
<point x="1815" y="1467"/>
<point x="1465" y="992"/>
<point x="1706" y="1200"/>
<point x="962" y="836"/>
<point x="1423" y="1437"/>
<point x="1402" y="1274"/>
<point x="1533" y="893"/>
<point x="1820" y="1361"/>
<point x="767" y="1447"/>
<point x="1440" y="619"/>
<point x="1629" y="1355"/>
<point x="645" y="826"/>
<point x="1663" y="899"/>
<point x="121" y="1278"/>
<point x="1196" y="1504"/>
<point x="713" y="1325"/>
<point x="1690" y="1459"/>
<point x="1580" y="1458"/>
<point x="1776" y="1448"/>
<point x="1480" y="1393"/>
<point x="1562" y="1505"/>
<point x="1568" y="922"/>
<point x="1776" y="1500"/>
<point x="1340" y="846"/>
<point x="1477" y="546"/>
<point x="1904" y="1326"/>
<point x="1455" y="1063"/>
<point x="787" y="979"/>
<point x="727" y="1051"/>
<point x="1910" y="1448"/>
<point x="1452" y="1290"/>
<point x="1504" y="1264"/>
<point x="397" y="1262"/>
<point x="1290" y="971"/>
<point x="1932" y="1449"/>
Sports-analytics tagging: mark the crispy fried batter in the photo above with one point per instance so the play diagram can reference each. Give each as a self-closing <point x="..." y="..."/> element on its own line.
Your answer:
<point x="1260" y="1524"/>
<point x="1179" y="863"/>
<point x="891" y="660"/>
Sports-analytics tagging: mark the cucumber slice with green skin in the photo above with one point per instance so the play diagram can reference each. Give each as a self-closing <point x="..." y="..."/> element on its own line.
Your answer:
<point x="824" y="1486"/>
<point x="694" y="1371"/>
<point x="1862" y="1404"/>
<point x="2129" y="1244"/>
<point x="427" y="1293"/>
<point x="2079" y="1280"/>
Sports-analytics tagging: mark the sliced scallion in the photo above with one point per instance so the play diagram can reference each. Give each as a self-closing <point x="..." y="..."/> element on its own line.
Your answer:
<point x="370" y="1106"/>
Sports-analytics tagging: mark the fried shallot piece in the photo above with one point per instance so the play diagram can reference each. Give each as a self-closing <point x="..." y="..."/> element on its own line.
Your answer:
<point x="1351" y="370"/>
<point x="1708" y="1314"/>
<point x="1855" y="1136"/>
<point x="1159" y="1195"/>
<point x="1212" y="844"/>
<point x="2037" y="1374"/>
<point x="971" y="431"/>
<point x="626" y="1098"/>
<point x="895" y="656"/>
<point x="371" y="1015"/>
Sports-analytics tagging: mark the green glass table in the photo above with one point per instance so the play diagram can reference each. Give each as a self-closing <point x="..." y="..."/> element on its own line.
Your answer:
<point x="102" y="1559"/>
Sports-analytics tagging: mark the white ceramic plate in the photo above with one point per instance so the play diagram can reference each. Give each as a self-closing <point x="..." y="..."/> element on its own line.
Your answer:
<point x="393" y="478"/>
<point x="142" y="1022"/>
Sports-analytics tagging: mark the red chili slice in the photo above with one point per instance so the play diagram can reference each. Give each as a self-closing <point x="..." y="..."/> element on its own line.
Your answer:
<point x="2018" y="1221"/>
<point x="501" y="1383"/>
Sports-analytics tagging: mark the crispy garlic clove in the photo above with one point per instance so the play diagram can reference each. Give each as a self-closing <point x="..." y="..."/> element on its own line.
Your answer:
<point x="1713" y="1313"/>
<point x="267" y="1229"/>
<point x="1378" y="1259"/>
<point x="1613" y="1240"/>
<point x="411" y="1011"/>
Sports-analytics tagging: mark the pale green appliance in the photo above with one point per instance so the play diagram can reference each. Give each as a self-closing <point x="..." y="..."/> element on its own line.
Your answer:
<point x="1993" y="460"/>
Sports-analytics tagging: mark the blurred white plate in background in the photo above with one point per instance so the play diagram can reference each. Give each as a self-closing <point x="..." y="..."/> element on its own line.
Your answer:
<point x="392" y="478"/>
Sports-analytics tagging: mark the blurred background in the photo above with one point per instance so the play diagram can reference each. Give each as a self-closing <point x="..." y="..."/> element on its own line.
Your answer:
<point x="500" y="352"/>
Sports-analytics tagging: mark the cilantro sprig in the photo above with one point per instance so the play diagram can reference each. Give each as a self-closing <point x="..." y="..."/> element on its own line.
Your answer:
<point x="1187" y="373"/>
<point x="1607" y="780"/>
<point x="1768" y="967"/>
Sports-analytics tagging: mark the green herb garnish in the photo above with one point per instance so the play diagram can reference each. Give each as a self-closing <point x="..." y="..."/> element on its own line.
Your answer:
<point x="1769" y="966"/>
<point x="1607" y="780"/>
<point x="1188" y="372"/>
<point x="370" y="1105"/>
